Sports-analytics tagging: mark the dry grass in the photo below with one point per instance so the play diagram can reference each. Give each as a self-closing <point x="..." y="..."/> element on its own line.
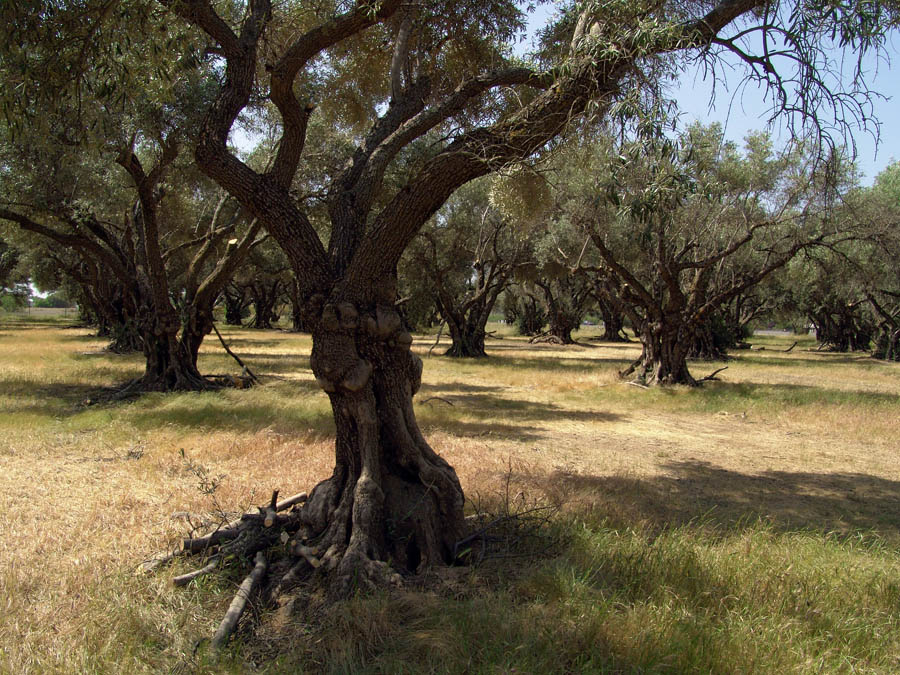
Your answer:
<point x="801" y="440"/>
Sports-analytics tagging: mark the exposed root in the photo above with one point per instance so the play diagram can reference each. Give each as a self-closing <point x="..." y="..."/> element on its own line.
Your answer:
<point x="276" y="539"/>
<point x="546" y="338"/>
<point x="137" y="387"/>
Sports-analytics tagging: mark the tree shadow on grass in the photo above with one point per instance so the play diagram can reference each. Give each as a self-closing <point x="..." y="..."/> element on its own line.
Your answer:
<point x="262" y="363"/>
<point x="91" y="336"/>
<point x="812" y="360"/>
<point x="446" y="387"/>
<point x="719" y="392"/>
<point x="547" y="363"/>
<point x="236" y="343"/>
<point x="56" y="399"/>
<point x="481" y="413"/>
<point x="202" y="412"/>
<point x="692" y="490"/>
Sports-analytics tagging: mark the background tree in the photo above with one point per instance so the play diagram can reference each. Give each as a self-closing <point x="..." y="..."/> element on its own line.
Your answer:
<point x="521" y="308"/>
<point x="14" y="290"/>
<point x="465" y="257"/>
<point x="152" y="275"/>
<point x="710" y="224"/>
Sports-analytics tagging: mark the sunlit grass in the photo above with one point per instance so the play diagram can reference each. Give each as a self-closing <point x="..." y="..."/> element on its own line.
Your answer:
<point x="750" y="525"/>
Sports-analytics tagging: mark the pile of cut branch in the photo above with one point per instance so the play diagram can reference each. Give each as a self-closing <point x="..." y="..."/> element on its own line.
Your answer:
<point x="270" y="540"/>
<point x="247" y="538"/>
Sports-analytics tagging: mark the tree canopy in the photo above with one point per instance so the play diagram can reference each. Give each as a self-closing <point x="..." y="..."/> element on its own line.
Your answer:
<point x="415" y="101"/>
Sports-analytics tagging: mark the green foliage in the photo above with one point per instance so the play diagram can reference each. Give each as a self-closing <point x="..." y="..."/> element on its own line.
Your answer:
<point x="54" y="300"/>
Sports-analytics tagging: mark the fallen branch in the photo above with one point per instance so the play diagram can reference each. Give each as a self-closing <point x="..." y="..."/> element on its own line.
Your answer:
<point x="791" y="347"/>
<point x="438" y="339"/>
<point x="201" y="544"/>
<point x="712" y="376"/>
<point x="305" y="552"/>
<point x="631" y="368"/>
<point x="291" y="576"/>
<point x="270" y="510"/>
<point x="637" y="384"/>
<point x="185" y="579"/>
<point x="226" y="533"/>
<point x="437" y="398"/>
<point x="545" y="337"/>
<point x="229" y="623"/>
<point x="235" y="356"/>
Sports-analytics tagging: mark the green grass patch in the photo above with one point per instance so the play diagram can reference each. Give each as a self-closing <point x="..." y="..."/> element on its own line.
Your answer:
<point x="746" y="526"/>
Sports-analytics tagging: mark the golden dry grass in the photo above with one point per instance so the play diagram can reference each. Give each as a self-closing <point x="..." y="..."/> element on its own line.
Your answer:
<point x="803" y="440"/>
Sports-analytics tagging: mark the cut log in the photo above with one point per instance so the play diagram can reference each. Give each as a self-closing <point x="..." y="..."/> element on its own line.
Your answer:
<point x="269" y="513"/>
<point x="233" y="615"/>
<point x="185" y="579"/>
<point x="200" y="544"/>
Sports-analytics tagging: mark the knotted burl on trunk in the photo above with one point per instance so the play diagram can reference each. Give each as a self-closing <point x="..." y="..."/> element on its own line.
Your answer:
<point x="392" y="505"/>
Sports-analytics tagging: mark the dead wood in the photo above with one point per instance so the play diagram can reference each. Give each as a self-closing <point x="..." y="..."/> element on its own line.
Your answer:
<point x="228" y="351"/>
<point x="545" y="338"/>
<point x="631" y="368"/>
<point x="269" y="513"/>
<point x="201" y="544"/>
<point x="185" y="579"/>
<point x="437" y="398"/>
<point x="712" y="376"/>
<point x="233" y="615"/>
<point x="227" y="533"/>
<point x="438" y="339"/>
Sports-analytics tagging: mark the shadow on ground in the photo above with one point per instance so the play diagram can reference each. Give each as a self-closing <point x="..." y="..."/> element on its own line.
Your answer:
<point x="718" y="393"/>
<point x="826" y="502"/>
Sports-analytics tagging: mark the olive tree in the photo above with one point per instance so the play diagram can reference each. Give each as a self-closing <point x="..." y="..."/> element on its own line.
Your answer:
<point x="686" y="225"/>
<point x="448" y="75"/>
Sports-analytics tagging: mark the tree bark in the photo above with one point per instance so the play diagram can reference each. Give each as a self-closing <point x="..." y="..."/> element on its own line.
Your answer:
<point x="711" y="340"/>
<point x="391" y="498"/>
<point x="264" y="296"/>
<point x="170" y="364"/>
<point x="613" y="323"/>
<point x="467" y="337"/>
<point x="664" y="356"/>
<point x="561" y="326"/>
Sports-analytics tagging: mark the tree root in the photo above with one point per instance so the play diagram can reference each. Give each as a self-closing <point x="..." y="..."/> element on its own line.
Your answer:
<point x="275" y="539"/>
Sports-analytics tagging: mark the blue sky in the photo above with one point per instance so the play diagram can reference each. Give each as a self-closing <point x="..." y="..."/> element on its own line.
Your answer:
<point x="744" y="109"/>
<point x="741" y="110"/>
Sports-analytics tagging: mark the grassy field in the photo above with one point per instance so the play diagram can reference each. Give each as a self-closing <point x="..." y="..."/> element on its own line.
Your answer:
<point x="752" y="525"/>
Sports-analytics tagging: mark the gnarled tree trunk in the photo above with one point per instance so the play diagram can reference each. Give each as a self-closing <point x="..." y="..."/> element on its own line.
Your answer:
<point x="170" y="365"/>
<point x="467" y="338"/>
<point x="264" y="296"/>
<point x="235" y="304"/>
<point x="390" y="497"/>
<point x="562" y="324"/>
<point x="664" y="355"/>
<point x="613" y="323"/>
